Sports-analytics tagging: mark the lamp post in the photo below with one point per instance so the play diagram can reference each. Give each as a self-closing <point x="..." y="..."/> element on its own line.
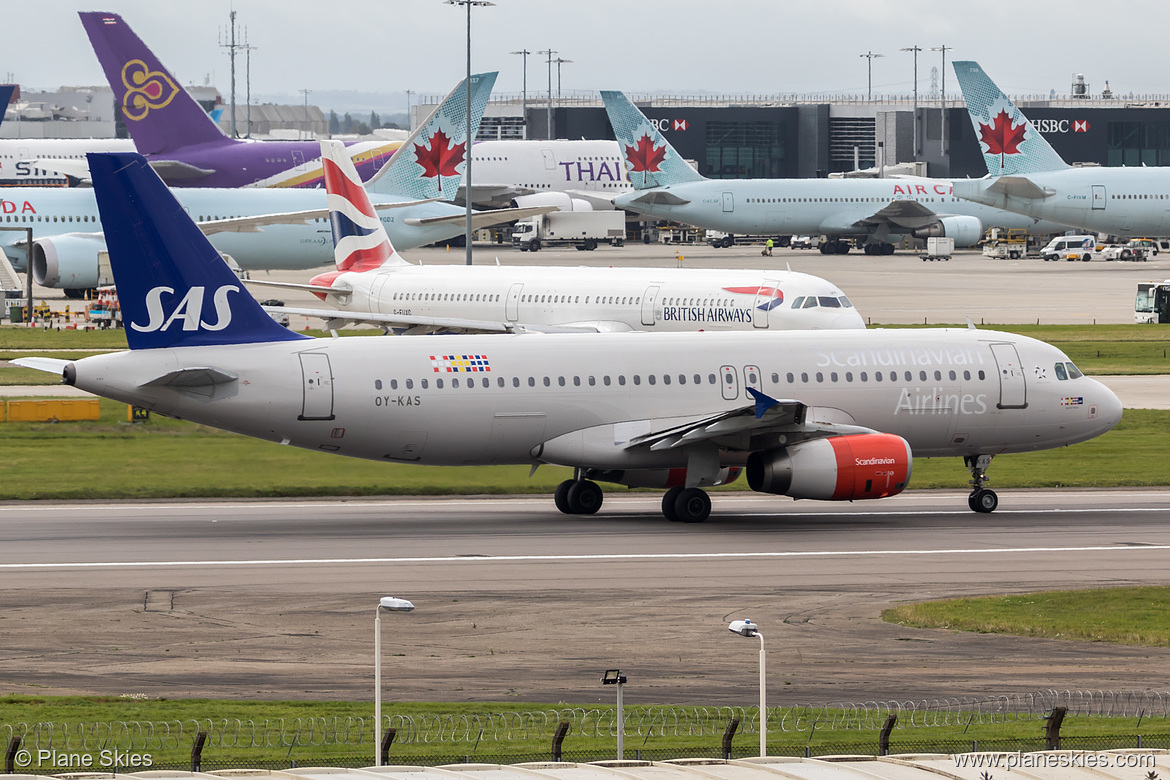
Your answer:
<point x="943" y="132"/>
<point x="749" y="629"/>
<point x="470" y="140"/>
<point x="394" y="605"/>
<point x="524" y="94"/>
<point x="915" y="49"/>
<point x="615" y="677"/>
<point x="869" y="55"/>
<point x="548" y="128"/>
<point x="559" y="62"/>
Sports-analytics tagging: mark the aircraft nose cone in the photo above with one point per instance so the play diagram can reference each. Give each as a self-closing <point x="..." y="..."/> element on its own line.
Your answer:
<point x="1109" y="409"/>
<point x="850" y="318"/>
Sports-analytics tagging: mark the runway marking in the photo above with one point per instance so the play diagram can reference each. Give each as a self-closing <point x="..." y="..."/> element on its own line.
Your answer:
<point x="571" y="558"/>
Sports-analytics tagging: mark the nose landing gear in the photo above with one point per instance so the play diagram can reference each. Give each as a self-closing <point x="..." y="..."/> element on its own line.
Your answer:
<point x="981" y="499"/>
<point x="578" y="497"/>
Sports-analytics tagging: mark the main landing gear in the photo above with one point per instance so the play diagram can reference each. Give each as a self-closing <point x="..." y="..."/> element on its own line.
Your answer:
<point x="578" y="497"/>
<point x="879" y="248"/>
<point x="835" y="247"/>
<point x="981" y="499"/>
<point x="686" y="505"/>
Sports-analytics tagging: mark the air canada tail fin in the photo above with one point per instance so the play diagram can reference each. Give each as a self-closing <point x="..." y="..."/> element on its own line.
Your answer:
<point x="173" y="287"/>
<point x="650" y="159"/>
<point x="1009" y="142"/>
<point x="160" y="115"/>
<point x="431" y="161"/>
<point x="360" y="242"/>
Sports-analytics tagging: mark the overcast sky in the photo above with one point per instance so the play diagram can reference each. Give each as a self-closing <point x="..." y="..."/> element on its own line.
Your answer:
<point x="677" y="46"/>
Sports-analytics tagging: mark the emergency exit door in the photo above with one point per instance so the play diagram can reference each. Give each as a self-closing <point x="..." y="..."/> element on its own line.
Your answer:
<point x="317" y="403"/>
<point x="1012" y="391"/>
<point x="1099" y="197"/>
<point x="728" y="202"/>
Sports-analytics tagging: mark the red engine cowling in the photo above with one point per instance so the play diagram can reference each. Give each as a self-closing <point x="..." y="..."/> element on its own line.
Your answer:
<point x="839" y="468"/>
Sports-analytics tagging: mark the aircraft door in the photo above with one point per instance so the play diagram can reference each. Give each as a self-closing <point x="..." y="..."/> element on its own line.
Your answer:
<point x="751" y="378"/>
<point x="729" y="381"/>
<point x="317" y="386"/>
<point x="378" y="302"/>
<point x="1099" y="198"/>
<point x="512" y="305"/>
<point x="648" y="300"/>
<point x="728" y="202"/>
<point x="767" y="298"/>
<point x="1012" y="391"/>
<point x="550" y="160"/>
<point x="298" y="159"/>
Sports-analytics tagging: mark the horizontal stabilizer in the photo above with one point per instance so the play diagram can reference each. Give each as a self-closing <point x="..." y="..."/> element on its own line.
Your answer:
<point x="51" y="365"/>
<point x="1019" y="187"/>
<point x="176" y="170"/>
<point x="410" y="323"/>
<point x="77" y="169"/>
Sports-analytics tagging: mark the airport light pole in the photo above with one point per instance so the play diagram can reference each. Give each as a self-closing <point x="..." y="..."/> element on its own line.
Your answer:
<point x="467" y="157"/>
<point x="869" y="55"/>
<point x="943" y="132"/>
<point x="559" y="61"/>
<point x="548" y="115"/>
<point x="524" y="94"/>
<point x="749" y="629"/>
<point x="615" y="677"/>
<point x="915" y="49"/>
<point x="394" y="605"/>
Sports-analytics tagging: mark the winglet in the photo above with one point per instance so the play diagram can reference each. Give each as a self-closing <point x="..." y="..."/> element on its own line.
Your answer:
<point x="645" y="150"/>
<point x="764" y="402"/>
<point x="1009" y="142"/>
<point x="174" y="288"/>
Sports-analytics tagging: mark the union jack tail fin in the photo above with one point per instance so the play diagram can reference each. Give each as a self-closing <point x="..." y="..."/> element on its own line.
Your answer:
<point x="1009" y="142"/>
<point x="360" y="242"/>
<point x="650" y="159"/>
<point x="431" y="162"/>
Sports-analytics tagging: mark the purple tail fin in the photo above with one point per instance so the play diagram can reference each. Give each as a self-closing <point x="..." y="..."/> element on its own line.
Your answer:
<point x="159" y="114"/>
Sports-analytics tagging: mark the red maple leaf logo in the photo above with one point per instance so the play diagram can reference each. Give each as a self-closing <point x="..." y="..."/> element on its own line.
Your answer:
<point x="1001" y="136"/>
<point x="440" y="156"/>
<point x="644" y="157"/>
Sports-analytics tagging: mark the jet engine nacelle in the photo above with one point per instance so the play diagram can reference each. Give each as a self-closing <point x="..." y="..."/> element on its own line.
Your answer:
<point x="559" y="199"/>
<point x="839" y="468"/>
<point x="965" y="230"/>
<point x="75" y="262"/>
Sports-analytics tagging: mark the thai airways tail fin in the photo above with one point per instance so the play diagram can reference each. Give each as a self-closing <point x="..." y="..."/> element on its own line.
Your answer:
<point x="160" y="115"/>
<point x="650" y="159"/>
<point x="173" y="287"/>
<point x="431" y="161"/>
<point x="1009" y="142"/>
<point x="360" y="242"/>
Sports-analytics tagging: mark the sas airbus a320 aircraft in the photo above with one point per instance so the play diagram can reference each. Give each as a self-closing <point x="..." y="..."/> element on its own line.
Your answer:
<point x="877" y="210"/>
<point x="373" y="284"/>
<point x="1027" y="176"/>
<point x="835" y="415"/>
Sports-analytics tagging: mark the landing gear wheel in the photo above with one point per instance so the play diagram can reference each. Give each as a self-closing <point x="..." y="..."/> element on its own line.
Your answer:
<point x="887" y="249"/>
<point x="669" y="498"/>
<point x="983" y="500"/>
<point x="692" y="505"/>
<point x="561" y="496"/>
<point x="584" y="497"/>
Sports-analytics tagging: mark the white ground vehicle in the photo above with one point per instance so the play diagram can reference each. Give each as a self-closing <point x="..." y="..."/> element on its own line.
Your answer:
<point x="582" y="229"/>
<point x="1136" y="249"/>
<point x="939" y="248"/>
<point x="1152" y="303"/>
<point x="1070" y="248"/>
<point x="1006" y="243"/>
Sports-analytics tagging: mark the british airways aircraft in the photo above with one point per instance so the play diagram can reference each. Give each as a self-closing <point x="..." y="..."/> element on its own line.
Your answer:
<point x="833" y="415"/>
<point x="1027" y="176"/>
<point x="878" y="210"/>
<point x="264" y="228"/>
<point x="373" y="284"/>
<point x="183" y="143"/>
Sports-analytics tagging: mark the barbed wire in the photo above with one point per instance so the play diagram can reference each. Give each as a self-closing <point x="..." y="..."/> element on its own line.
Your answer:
<point x="521" y="726"/>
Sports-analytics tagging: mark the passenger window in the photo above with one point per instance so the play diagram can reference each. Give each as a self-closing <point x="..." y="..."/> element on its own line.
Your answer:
<point x="698" y="379"/>
<point x="967" y="375"/>
<point x="651" y="379"/>
<point x="637" y="379"/>
<point x="775" y="378"/>
<point x="910" y="377"/>
<point x="982" y="375"/>
<point x="484" y="381"/>
<point x="952" y="376"/>
<point x="666" y="379"/>
<point x="409" y="384"/>
<point x="592" y="381"/>
<point x="393" y="384"/>
<point x="605" y="380"/>
<point x="547" y="382"/>
<point x="833" y="376"/>
<point x="622" y="379"/>
<point x="682" y="379"/>
<point x="938" y="376"/>
<point x="820" y="377"/>
<point x="561" y="381"/>
<point x="877" y="376"/>
<point x="864" y="377"/>
<point x="532" y="381"/>
<point x="921" y="376"/>
<point x="439" y="383"/>
<point x="424" y="384"/>
<point x="710" y="379"/>
<point x="848" y="376"/>
<point x="790" y="377"/>
<point x="804" y="376"/>
<point x="1060" y="372"/>
<point x="515" y="381"/>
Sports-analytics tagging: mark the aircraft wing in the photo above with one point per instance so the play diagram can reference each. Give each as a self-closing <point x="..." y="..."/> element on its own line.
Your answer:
<point x="1019" y="187"/>
<point x="255" y="224"/>
<point x="906" y="214"/>
<point x="175" y="170"/>
<point x="412" y="324"/>
<point x="482" y="219"/>
<point x="493" y="195"/>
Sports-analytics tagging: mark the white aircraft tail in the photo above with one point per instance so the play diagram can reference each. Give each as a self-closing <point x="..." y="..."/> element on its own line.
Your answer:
<point x="360" y="242"/>
<point x="1010" y="143"/>
<point x="650" y="159"/>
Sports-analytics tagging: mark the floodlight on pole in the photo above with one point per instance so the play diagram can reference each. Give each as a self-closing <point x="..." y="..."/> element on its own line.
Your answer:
<point x="393" y="604"/>
<point x="749" y="629"/>
<point x="615" y="677"/>
<point x="559" y="61"/>
<point x="470" y="140"/>
<point x="869" y="55"/>
<point x="548" y="130"/>
<point x="524" y="94"/>
<point x="915" y="49"/>
<point x="943" y="134"/>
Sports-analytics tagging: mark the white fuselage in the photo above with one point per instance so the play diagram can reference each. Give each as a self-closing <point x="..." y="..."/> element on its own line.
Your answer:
<point x="1124" y="202"/>
<point x="17" y="156"/>
<point x="610" y="299"/>
<point x="833" y="207"/>
<point x="551" y="166"/>
<point x="581" y="399"/>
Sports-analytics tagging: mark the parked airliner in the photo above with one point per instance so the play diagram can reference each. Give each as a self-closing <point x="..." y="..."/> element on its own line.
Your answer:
<point x="1027" y="176"/>
<point x="834" y="415"/>
<point x="373" y="284"/>
<point x="878" y="210"/>
<point x="574" y="175"/>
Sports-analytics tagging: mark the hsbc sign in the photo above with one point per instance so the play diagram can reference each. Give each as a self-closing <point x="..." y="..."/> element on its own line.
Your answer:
<point x="666" y="125"/>
<point x="1062" y="125"/>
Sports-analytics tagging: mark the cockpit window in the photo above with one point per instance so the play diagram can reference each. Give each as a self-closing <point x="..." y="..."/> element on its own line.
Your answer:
<point x="1060" y="372"/>
<point x="845" y="303"/>
<point x="796" y="304"/>
<point x="1073" y="371"/>
<point x="811" y="303"/>
<point x="830" y="302"/>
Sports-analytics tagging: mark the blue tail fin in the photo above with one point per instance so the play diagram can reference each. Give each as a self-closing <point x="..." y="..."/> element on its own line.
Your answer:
<point x="160" y="115"/>
<point x="1009" y="142"/>
<point x="6" y="91"/>
<point x="650" y="159"/>
<point x="430" y="163"/>
<point x="173" y="287"/>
